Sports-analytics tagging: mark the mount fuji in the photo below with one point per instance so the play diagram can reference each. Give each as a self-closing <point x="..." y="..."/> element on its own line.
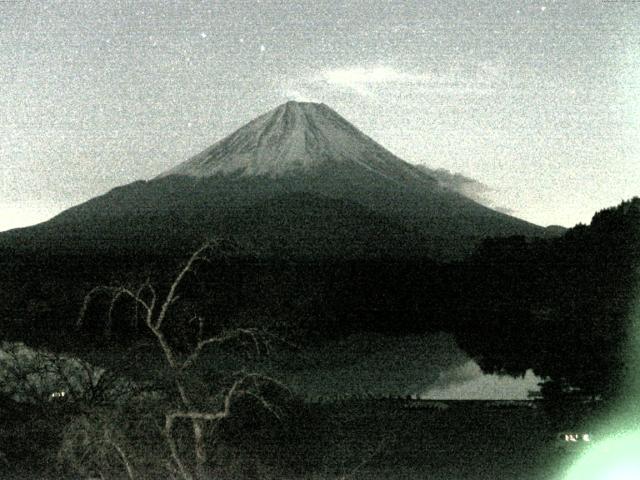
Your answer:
<point x="298" y="181"/>
<point x="300" y="139"/>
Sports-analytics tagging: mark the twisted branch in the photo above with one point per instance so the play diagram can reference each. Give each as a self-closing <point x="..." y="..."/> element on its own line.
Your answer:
<point x="246" y="385"/>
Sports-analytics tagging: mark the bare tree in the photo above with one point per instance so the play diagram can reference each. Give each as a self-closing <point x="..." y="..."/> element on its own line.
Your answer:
<point x="96" y="445"/>
<point x="36" y="376"/>
<point x="187" y="405"/>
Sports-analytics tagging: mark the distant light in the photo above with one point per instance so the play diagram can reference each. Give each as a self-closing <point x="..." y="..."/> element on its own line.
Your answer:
<point x="573" y="437"/>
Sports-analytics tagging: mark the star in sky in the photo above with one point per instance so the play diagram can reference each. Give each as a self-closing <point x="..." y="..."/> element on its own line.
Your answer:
<point x="409" y="74"/>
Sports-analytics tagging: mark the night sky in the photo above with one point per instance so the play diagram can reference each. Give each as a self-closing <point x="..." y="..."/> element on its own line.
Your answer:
<point x="537" y="100"/>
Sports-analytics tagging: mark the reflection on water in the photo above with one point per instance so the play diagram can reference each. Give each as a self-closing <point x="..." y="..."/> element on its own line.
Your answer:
<point x="427" y="366"/>
<point x="468" y="382"/>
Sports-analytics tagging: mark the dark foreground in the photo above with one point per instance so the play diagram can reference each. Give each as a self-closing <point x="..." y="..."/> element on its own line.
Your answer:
<point x="359" y="439"/>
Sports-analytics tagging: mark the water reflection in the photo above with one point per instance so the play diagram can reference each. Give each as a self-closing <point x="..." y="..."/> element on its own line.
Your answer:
<point x="468" y="382"/>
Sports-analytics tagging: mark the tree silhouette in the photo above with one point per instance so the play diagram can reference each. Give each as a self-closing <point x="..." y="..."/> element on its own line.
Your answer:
<point x="187" y="403"/>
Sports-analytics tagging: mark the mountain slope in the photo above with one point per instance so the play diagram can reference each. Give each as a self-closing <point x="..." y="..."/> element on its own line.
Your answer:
<point x="294" y="139"/>
<point x="176" y="214"/>
<point x="309" y="147"/>
<point x="301" y="164"/>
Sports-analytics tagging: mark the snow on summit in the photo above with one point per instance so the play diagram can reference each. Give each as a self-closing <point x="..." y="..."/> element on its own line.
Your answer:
<point x="297" y="138"/>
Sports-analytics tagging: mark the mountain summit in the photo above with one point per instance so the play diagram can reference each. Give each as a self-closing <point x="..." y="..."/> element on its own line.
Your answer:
<point x="297" y="138"/>
<point x="299" y="181"/>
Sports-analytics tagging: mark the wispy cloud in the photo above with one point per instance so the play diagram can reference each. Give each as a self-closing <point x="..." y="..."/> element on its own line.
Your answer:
<point x="469" y="187"/>
<point x="362" y="80"/>
<point x="298" y="95"/>
<point x="366" y="81"/>
<point x="380" y="81"/>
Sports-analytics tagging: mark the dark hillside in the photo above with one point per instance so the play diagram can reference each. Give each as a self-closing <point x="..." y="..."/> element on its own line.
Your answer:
<point x="561" y="306"/>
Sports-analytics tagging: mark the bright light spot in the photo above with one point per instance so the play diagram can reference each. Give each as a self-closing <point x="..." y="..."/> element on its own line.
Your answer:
<point x="262" y="48"/>
<point x="624" y="472"/>
<point x="203" y="35"/>
<point x="613" y="459"/>
<point x="575" y="437"/>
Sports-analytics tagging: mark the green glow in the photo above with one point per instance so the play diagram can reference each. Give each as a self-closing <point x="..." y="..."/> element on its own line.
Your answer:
<point x="633" y="375"/>
<point x="616" y="458"/>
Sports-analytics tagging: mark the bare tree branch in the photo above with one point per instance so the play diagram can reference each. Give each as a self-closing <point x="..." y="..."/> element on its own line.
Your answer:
<point x="245" y="385"/>
<point x="171" y="296"/>
<point x="152" y="304"/>
<point x="225" y="336"/>
<point x="116" y="293"/>
<point x="377" y="451"/>
<point x="173" y="448"/>
<point x="123" y="456"/>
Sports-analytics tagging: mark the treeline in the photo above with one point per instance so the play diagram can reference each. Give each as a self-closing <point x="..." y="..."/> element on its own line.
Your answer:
<point x="562" y="306"/>
<point x="41" y="296"/>
<point x="559" y="306"/>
